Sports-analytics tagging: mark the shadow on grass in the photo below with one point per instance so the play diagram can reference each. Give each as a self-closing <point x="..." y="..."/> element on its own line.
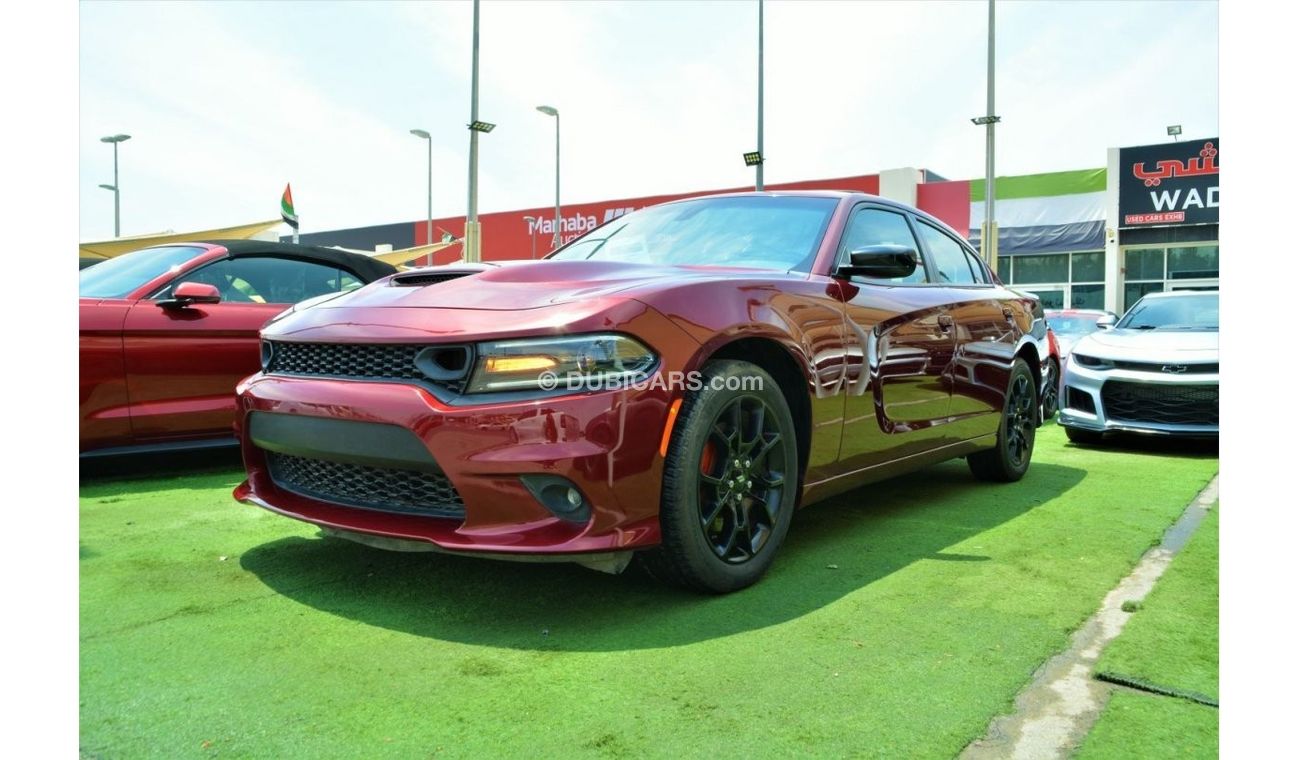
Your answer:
<point x="153" y="471"/>
<point x="1164" y="446"/>
<point x="833" y="549"/>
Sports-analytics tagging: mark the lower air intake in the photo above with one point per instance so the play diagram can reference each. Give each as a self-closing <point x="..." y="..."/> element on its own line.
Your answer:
<point x="382" y="489"/>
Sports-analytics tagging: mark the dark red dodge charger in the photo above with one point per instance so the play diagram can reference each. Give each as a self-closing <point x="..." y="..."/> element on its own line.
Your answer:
<point x="670" y="386"/>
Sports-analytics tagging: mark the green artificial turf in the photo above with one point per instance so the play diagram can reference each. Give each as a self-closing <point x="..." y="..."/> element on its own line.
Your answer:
<point x="898" y="620"/>
<point x="1172" y="641"/>
<point x="1136" y="725"/>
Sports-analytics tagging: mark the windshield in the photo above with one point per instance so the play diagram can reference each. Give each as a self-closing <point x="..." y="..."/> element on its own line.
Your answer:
<point x="118" y="277"/>
<point x="1073" y="324"/>
<point x="762" y="232"/>
<point x="1199" y="312"/>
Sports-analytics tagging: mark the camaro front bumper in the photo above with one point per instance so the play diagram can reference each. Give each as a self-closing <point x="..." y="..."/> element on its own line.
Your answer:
<point x="1121" y="400"/>
<point x="360" y="457"/>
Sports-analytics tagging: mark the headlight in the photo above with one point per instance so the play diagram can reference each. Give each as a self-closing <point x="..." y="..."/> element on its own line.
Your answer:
<point x="583" y="361"/>
<point x="1091" y="361"/>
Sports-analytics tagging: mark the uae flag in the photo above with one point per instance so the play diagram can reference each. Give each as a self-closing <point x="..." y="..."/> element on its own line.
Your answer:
<point x="286" y="209"/>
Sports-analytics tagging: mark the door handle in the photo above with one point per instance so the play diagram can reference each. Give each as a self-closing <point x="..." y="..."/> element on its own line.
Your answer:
<point x="945" y="322"/>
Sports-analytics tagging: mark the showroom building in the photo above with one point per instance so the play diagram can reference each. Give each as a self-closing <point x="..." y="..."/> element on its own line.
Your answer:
<point x="1092" y="238"/>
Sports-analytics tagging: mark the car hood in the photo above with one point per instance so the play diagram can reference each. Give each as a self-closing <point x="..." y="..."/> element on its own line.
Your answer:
<point x="1151" y="345"/>
<point x="518" y="285"/>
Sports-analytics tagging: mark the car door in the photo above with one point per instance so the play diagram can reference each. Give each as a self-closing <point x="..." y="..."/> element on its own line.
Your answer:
<point x="897" y="391"/>
<point x="986" y="332"/>
<point x="105" y="408"/>
<point x="182" y="364"/>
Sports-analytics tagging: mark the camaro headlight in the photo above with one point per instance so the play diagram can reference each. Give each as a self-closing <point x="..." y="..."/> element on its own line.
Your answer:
<point x="579" y="361"/>
<point x="1091" y="361"/>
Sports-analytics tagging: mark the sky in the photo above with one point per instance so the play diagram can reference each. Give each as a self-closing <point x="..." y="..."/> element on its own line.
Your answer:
<point x="228" y="101"/>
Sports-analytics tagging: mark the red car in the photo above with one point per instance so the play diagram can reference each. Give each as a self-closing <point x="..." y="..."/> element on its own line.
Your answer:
<point x="167" y="332"/>
<point x="672" y="385"/>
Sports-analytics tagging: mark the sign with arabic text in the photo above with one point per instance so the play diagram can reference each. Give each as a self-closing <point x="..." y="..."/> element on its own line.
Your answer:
<point x="1169" y="184"/>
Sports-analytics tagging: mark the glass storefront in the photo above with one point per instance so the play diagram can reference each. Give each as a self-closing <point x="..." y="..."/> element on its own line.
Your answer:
<point x="1149" y="269"/>
<point x="1058" y="279"/>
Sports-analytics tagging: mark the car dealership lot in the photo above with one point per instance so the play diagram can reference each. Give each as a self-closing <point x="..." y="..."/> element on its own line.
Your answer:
<point x="898" y="620"/>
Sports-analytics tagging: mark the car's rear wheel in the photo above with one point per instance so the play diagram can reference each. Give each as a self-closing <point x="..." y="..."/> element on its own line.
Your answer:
<point x="1008" y="461"/>
<point x="730" y="480"/>
<point x="1086" y="437"/>
<point x="1051" y="389"/>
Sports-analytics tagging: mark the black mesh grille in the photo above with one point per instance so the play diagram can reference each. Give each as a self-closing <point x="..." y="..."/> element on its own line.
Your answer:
<point x="1160" y="402"/>
<point x="1204" y="368"/>
<point x="383" y="361"/>
<point x="379" y="488"/>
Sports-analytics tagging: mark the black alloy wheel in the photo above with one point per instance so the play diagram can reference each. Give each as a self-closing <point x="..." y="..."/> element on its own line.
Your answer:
<point x="1051" y="390"/>
<point x="742" y="479"/>
<point x="731" y="477"/>
<point x="1008" y="460"/>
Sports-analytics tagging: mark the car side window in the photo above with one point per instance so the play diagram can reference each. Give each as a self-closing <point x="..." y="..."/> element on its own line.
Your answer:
<point x="950" y="262"/>
<point x="977" y="267"/>
<point x="268" y="279"/>
<point x="874" y="226"/>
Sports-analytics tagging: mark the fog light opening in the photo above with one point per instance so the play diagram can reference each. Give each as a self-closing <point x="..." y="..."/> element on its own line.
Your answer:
<point x="560" y="497"/>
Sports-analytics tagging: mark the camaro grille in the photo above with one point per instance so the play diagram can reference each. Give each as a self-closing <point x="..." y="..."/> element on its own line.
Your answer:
<point x="1203" y="368"/>
<point x="379" y="488"/>
<point x="1171" y="404"/>
<point x="387" y="361"/>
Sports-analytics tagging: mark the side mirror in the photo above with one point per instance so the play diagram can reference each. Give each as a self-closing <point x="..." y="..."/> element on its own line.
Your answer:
<point x="188" y="293"/>
<point x="880" y="262"/>
<point x="1106" y="322"/>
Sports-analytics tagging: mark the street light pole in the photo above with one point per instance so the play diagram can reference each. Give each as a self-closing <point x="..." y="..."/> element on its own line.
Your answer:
<point x="471" y="245"/>
<point x="758" y="168"/>
<point x="550" y="111"/>
<point x="116" y="187"/>
<point x="989" y="237"/>
<point x="428" y="230"/>
<point x="532" y="234"/>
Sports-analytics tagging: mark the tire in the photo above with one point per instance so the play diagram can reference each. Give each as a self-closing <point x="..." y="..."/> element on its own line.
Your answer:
<point x="718" y="536"/>
<point x="1008" y="461"/>
<point x="1085" y="437"/>
<point x="1052" y="390"/>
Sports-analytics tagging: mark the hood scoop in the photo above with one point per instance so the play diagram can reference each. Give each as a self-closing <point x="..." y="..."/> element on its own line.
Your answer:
<point x="420" y="279"/>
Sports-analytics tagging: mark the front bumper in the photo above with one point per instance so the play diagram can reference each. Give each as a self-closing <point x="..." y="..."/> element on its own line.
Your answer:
<point x="1084" y="402"/>
<point x="606" y="444"/>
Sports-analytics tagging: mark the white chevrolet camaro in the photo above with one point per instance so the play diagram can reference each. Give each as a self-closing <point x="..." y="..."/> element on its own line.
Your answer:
<point x="1156" y="371"/>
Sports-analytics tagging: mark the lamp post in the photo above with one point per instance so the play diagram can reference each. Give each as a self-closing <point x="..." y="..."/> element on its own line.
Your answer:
<point x="549" y="111"/>
<point x="116" y="187"/>
<point x="989" y="234"/>
<point x="532" y="234"/>
<point x="428" y="230"/>
<point x="758" y="167"/>
<point x="472" y="244"/>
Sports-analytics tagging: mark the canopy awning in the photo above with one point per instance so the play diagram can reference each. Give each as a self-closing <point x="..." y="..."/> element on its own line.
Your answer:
<point x="413" y="255"/>
<point x="107" y="249"/>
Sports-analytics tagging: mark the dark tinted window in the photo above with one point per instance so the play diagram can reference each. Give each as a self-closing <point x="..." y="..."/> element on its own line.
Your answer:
<point x="121" y="275"/>
<point x="763" y="232"/>
<point x="873" y="226"/>
<point x="950" y="263"/>
<point x="977" y="268"/>
<point x="271" y="280"/>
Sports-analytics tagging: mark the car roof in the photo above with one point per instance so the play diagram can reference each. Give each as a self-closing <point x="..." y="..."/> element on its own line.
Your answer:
<point x="1181" y="293"/>
<point x="359" y="263"/>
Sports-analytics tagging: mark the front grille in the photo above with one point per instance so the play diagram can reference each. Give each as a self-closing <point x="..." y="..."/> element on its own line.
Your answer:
<point x="1169" y="404"/>
<point x="383" y="489"/>
<point x="1203" y="368"/>
<point x="395" y="361"/>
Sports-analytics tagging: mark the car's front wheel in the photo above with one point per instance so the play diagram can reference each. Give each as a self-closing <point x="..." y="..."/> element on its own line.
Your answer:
<point x="730" y="480"/>
<point x="1009" y="459"/>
